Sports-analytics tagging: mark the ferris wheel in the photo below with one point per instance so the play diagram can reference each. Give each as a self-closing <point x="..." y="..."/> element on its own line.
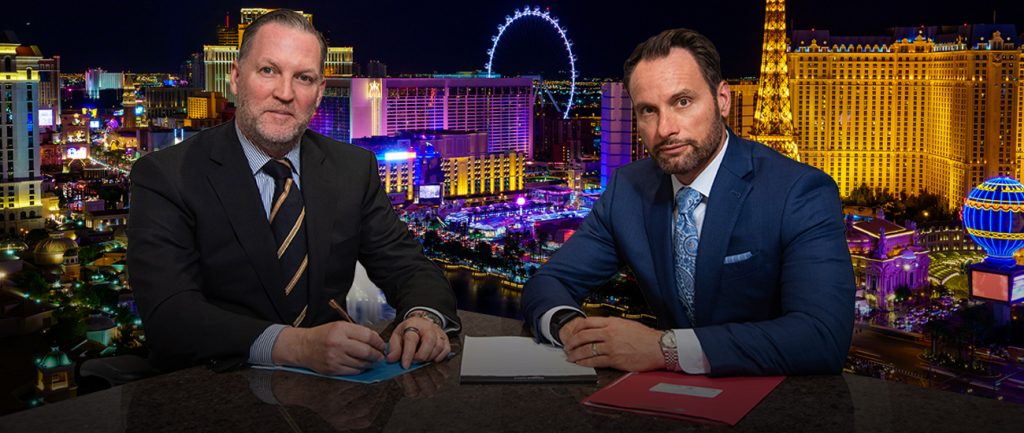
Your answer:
<point x="545" y="15"/>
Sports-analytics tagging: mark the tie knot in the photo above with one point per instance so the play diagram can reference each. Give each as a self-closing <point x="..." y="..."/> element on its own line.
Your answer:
<point x="279" y="169"/>
<point x="687" y="199"/>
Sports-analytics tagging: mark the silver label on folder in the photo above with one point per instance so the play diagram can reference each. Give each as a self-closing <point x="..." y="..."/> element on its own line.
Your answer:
<point x="693" y="391"/>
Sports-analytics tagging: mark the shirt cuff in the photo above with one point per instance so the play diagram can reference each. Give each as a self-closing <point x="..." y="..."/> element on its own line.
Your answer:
<point x="545" y="323"/>
<point x="447" y="324"/>
<point x="262" y="350"/>
<point x="691" y="355"/>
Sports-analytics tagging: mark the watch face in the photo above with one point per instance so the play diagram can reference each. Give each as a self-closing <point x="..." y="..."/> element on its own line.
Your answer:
<point x="668" y="339"/>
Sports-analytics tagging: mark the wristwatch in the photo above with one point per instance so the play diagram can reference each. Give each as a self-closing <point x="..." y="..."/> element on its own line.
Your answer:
<point x="560" y="319"/>
<point x="426" y="315"/>
<point x="669" y="350"/>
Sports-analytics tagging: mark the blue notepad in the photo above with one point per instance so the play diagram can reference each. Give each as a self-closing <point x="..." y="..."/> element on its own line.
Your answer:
<point x="379" y="372"/>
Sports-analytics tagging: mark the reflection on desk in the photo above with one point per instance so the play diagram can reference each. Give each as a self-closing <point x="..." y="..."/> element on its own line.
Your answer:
<point x="431" y="400"/>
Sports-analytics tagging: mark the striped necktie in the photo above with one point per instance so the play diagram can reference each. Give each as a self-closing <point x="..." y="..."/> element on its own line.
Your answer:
<point x="287" y="218"/>
<point x="686" y="240"/>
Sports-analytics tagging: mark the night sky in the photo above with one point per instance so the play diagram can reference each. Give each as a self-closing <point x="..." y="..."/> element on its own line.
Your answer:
<point x="432" y="36"/>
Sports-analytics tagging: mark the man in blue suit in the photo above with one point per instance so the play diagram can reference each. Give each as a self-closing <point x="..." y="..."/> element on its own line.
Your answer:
<point x="740" y="251"/>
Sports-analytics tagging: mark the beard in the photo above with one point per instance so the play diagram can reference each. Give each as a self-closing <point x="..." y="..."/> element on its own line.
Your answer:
<point x="274" y="141"/>
<point x="702" y="150"/>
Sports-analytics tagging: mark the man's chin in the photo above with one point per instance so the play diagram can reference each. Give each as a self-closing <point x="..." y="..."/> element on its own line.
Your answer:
<point x="281" y="136"/>
<point x="677" y="165"/>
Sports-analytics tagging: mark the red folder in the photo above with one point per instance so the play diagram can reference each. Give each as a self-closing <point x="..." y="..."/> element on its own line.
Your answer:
<point x="684" y="396"/>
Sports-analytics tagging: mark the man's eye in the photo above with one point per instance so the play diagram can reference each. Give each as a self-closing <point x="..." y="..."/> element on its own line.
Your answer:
<point x="266" y="70"/>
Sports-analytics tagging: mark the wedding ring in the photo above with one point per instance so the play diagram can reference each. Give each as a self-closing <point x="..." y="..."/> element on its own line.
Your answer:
<point x="411" y="329"/>
<point x="593" y="349"/>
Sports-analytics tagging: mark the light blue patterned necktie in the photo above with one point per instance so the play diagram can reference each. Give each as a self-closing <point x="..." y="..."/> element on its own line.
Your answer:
<point x="685" y="240"/>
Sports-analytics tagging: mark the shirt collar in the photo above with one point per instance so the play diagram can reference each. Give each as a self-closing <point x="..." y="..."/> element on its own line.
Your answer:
<point x="257" y="158"/>
<point x="706" y="179"/>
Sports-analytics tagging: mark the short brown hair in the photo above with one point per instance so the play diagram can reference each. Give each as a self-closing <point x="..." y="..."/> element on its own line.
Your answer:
<point x="660" y="45"/>
<point x="287" y="18"/>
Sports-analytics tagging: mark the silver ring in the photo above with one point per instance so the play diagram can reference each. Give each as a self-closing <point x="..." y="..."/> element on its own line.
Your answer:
<point x="593" y="349"/>
<point x="411" y="329"/>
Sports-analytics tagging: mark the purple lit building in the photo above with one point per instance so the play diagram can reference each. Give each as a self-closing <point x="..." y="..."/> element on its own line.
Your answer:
<point x="332" y="116"/>
<point x="500" y="107"/>
<point x="886" y="256"/>
<point x="618" y="131"/>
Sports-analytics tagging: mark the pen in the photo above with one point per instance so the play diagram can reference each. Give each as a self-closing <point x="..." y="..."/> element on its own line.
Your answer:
<point x="340" y="310"/>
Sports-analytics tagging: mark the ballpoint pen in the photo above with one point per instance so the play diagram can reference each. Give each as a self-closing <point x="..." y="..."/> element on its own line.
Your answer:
<point x="336" y="307"/>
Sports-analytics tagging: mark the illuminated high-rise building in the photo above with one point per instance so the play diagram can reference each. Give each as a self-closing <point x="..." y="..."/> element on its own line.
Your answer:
<point x="332" y="115"/>
<point x="206" y="105"/>
<point x="217" y="59"/>
<point x="925" y="109"/>
<point x="457" y="161"/>
<point x="168" y="101"/>
<point x="501" y="107"/>
<point x="21" y="207"/>
<point x="248" y="15"/>
<point x="46" y="70"/>
<point x="618" y="130"/>
<point x="129" y="102"/>
<point x="217" y="69"/>
<point x="97" y="79"/>
<point x="227" y="35"/>
<point x="741" y="111"/>
<point x="487" y="174"/>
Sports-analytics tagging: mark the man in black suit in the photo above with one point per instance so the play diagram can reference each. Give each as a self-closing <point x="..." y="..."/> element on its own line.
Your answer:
<point x="244" y="236"/>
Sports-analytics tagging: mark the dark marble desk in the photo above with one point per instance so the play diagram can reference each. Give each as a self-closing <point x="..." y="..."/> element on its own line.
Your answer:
<point x="432" y="400"/>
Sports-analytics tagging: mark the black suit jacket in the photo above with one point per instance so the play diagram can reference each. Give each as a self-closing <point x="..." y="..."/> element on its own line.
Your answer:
<point x="202" y="259"/>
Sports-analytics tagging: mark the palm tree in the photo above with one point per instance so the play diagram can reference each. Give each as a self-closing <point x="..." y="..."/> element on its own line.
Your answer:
<point x="939" y="331"/>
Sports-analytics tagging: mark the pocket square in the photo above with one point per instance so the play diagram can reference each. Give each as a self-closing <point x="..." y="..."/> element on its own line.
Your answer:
<point x="736" y="258"/>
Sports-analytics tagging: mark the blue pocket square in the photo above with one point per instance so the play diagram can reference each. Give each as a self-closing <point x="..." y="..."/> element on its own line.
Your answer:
<point x="736" y="258"/>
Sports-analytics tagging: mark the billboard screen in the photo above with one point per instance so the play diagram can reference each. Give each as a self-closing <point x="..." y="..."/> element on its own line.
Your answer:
<point x="430" y="194"/>
<point x="990" y="286"/>
<point x="46" y="117"/>
<point x="77" y="153"/>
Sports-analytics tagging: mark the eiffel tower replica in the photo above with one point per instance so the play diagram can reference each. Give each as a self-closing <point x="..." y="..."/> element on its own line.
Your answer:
<point x="773" y="119"/>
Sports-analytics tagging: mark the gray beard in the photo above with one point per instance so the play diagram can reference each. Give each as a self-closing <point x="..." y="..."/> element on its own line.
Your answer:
<point x="247" y="124"/>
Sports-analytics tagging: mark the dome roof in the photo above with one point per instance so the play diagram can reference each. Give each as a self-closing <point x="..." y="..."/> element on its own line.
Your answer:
<point x="121" y="235"/>
<point x="25" y="50"/>
<point x="53" y="250"/>
<point x="54" y="359"/>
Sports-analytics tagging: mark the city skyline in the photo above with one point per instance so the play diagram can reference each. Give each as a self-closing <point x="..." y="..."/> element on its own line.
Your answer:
<point x="424" y="38"/>
<point x="493" y="180"/>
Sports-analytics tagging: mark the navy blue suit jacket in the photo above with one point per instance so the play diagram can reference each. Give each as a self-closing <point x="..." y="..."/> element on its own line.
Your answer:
<point x="787" y="309"/>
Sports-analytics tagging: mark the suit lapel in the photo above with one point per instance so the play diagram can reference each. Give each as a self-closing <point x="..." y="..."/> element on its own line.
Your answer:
<point x="233" y="182"/>
<point x="320" y="192"/>
<point x="658" y="217"/>
<point x="727" y="196"/>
